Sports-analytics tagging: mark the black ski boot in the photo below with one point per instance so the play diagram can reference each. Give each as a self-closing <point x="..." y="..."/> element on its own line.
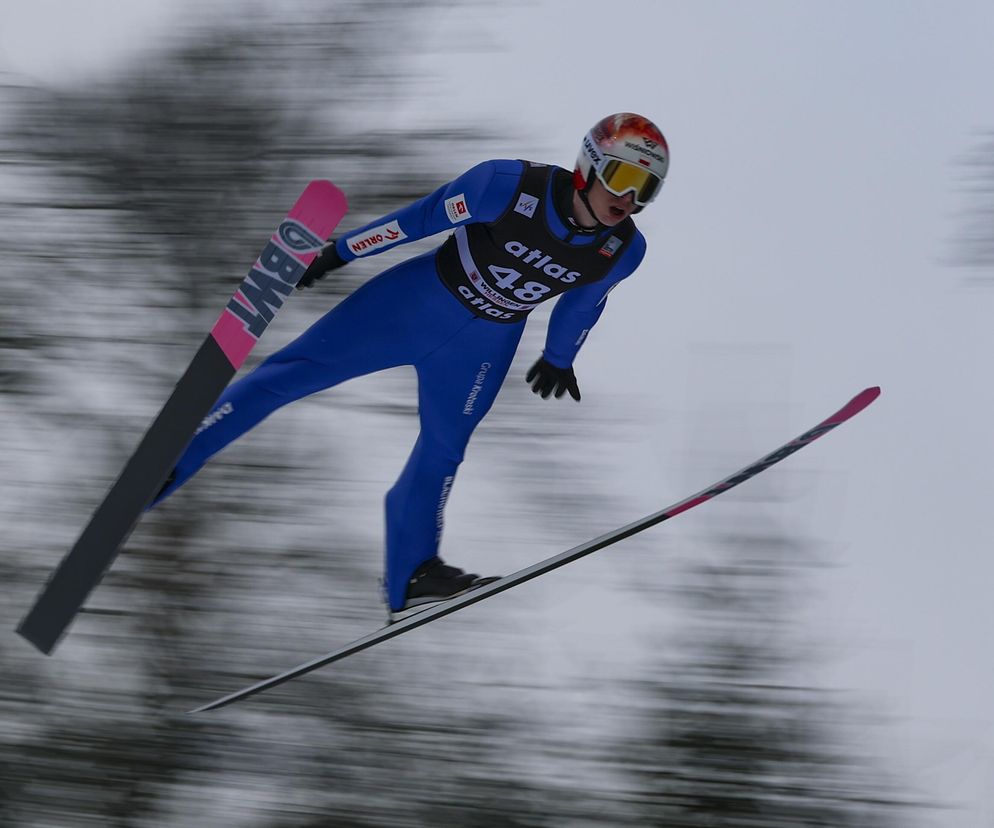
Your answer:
<point x="436" y="581"/>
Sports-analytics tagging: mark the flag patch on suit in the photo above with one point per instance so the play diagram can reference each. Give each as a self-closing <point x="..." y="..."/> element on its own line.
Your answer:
<point x="610" y="247"/>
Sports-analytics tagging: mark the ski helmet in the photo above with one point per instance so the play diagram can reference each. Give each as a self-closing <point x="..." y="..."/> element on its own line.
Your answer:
<point x="627" y="153"/>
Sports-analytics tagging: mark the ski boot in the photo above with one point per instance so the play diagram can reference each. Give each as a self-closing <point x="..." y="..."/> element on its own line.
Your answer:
<point x="435" y="581"/>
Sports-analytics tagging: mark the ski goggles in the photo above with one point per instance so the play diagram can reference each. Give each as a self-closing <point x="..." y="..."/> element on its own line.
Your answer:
<point x="621" y="177"/>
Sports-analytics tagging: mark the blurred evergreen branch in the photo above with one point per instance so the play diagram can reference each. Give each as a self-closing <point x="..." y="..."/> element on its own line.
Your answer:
<point x="973" y="244"/>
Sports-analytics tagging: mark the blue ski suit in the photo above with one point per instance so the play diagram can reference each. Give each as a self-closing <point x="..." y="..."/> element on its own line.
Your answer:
<point x="456" y="314"/>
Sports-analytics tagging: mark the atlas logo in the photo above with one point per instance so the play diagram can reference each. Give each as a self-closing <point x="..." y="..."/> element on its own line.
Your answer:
<point x="539" y="260"/>
<point x="482" y="304"/>
<point x="376" y="238"/>
<point x="272" y="278"/>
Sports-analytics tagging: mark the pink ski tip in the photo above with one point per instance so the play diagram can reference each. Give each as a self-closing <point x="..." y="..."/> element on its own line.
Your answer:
<point x="856" y="404"/>
<point x="320" y="207"/>
<point x="323" y="188"/>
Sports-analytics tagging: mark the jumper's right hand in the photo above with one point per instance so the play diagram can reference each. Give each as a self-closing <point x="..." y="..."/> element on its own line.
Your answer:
<point x="327" y="260"/>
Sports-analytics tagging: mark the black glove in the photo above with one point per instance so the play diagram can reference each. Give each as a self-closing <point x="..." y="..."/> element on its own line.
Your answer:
<point x="327" y="260"/>
<point x="546" y="378"/>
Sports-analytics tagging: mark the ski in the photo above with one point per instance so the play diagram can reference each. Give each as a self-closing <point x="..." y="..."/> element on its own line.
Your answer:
<point x="261" y="294"/>
<point x="850" y="409"/>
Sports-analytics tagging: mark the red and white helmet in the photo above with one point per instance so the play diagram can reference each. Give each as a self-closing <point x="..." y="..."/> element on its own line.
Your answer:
<point x="627" y="153"/>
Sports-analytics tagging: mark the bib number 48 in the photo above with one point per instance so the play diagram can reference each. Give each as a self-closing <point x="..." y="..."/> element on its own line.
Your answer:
<point x="506" y="277"/>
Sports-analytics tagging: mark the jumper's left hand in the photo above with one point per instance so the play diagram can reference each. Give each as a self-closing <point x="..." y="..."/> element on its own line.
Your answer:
<point x="327" y="260"/>
<point x="545" y="378"/>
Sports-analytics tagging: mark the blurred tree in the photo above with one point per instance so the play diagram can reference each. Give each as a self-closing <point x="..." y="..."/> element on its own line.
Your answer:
<point x="974" y="243"/>
<point x="724" y="738"/>
<point x="141" y="200"/>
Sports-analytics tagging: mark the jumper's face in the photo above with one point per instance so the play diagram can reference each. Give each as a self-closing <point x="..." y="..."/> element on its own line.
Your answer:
<point x="610" y="209"/>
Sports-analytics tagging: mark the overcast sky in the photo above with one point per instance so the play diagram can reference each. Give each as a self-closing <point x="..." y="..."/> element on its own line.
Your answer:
<point x="795" y="256"/>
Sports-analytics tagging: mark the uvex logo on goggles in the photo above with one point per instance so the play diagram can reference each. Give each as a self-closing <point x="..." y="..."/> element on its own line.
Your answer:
<point x="621" y="178"/>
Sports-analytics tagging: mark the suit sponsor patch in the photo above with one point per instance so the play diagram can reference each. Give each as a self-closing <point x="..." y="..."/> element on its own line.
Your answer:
<point x="527" y="204"/>
<point x="610" y="247"/>
<point x="456" y="208"/>
<point x="376" y="238"/>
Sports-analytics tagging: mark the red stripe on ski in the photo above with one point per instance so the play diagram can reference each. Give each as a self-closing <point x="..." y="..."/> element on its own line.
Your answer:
<point x="849" y="410"/>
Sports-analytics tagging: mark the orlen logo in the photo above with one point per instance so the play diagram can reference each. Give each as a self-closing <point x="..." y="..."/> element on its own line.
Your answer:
<point x="536" y="258"/>
<point x="376" y="238"/>
<point x="456" y="208"/>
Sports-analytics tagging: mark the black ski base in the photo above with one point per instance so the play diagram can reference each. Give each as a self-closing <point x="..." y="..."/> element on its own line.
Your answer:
<point x="157" y="453"/>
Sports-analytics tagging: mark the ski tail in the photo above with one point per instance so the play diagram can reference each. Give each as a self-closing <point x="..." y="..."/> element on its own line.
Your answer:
<point x="849" y="410"/>
<point x="297" y="240"/>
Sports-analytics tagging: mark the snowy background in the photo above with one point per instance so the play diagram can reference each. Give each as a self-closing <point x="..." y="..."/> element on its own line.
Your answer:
<point x="822" y="230"/>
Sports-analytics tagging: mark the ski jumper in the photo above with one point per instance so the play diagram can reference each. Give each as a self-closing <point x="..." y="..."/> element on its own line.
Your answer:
<point x="456" y="314"/>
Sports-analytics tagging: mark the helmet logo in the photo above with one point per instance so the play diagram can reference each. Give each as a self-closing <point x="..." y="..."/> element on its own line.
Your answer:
<point x="645" y="151"/>
<point x="592" y="151"/>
